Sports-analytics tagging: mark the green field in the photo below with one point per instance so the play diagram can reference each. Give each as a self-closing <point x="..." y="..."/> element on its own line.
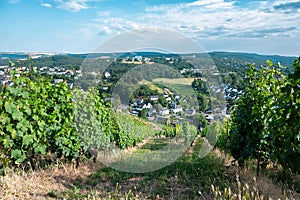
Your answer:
<point x="182" y="86"/>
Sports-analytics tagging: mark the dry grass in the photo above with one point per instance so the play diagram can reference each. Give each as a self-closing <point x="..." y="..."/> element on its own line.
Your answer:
<point x="151" y="86"/>
<point x="266" y="188"/>
<point x="37" y="184"/>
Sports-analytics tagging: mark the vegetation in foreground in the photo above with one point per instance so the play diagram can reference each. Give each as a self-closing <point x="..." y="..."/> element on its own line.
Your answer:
<point x="190" y="177"/>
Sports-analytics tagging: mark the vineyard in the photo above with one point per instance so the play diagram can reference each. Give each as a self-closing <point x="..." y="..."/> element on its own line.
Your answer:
<point x="265" y="124"/>
<point x="39" y="118"/>
<point x="41" y="122"/>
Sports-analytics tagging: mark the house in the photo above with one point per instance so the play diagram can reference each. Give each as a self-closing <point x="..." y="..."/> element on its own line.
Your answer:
<point x="177" y="97"/>
<point x="177" y="109"/>
<point x="147" y="105"/>
<point x="164" y="111"/>
<point x="93" y="73"/>
<point x="3" y="67"/>
<point x="241" y="92"/>
<point x="107" y="75"/>
<point x="147" y="60"/>
<point x="138" y="102"/>
<point x="144" y="105"/>
<point x="105" y="88"/>
<point x="58" y="81"/>
<point x="153" y="98"/>
<point x="138" y="58"/>
<point x="135" y="113"/>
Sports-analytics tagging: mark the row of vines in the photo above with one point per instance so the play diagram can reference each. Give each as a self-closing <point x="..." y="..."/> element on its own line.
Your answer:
<point x="38" y="117"/>
<point x="265" y="123"/>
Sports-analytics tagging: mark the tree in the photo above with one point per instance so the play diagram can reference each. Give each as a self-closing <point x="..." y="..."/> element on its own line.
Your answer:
<point x="162" y="100"/>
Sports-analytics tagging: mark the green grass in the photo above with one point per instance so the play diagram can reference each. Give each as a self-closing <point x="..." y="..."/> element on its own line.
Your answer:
<point x="182" y="86"/>
<point x="154" y="144"/>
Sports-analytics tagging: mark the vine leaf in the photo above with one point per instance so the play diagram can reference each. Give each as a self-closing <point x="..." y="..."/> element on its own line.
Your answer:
<point x="18" y="155"/>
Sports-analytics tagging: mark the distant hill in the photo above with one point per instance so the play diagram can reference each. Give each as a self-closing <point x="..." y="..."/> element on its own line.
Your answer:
<point x="4" y="56"/>
<point x="254" y="58"/>
<point x="219" y="57"/>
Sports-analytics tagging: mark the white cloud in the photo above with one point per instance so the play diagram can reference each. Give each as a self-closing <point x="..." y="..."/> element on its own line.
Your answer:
<point x="112" y="25"/>
<point x="211" y="3"/>
<point x="74" y="5"/>
<point x="47" y="5"/>
<point x="210" y="20"/>
<point x="219" y="19"/>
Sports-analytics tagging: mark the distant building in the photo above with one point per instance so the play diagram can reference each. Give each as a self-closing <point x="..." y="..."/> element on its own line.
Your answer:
<point x="135" y="113"/>
<point x="177" y="109"/>
<point x="138" y="58"/>
<point x="105" y="88"/>
<point x="107" y="75"/>
<point x="58" y="81"/>
<point x="177" y="97"/>
<point x="153" y="98"/>
<point x="164" y="111"/>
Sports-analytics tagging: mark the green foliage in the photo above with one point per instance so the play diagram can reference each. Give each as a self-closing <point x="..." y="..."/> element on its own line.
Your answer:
<point x="200" y="86"/>
<point x="143" y="113"/>
<point x="222" y="134"/>
<point x="170" y="131"/>
<point x="185" y="130"/>
<point x="265" y="123"/>
<point x="131" y="130"/>
<point x="144" y="91"/>
<point x="36" y="117"/>
<point x="284" y="121"/>
<point x="94" y="122"/>
<point x="202" y="92"/>
<point x="162" y="100"/>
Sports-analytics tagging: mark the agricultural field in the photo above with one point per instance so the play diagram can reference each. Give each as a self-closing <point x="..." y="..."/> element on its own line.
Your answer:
<point x="181" y="85"/>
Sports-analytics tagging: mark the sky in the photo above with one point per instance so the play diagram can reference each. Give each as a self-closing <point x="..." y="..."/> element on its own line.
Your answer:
<point x="270" y="27"/>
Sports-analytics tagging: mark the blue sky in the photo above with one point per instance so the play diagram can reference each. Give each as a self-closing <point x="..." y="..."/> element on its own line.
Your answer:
<point x="77" y="26"/>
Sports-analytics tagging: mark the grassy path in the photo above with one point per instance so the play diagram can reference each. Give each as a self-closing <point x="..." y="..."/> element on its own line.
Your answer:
<point x="189" y="177"/>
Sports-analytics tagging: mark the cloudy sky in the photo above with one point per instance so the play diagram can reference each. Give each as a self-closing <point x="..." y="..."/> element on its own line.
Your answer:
<point x="259" y="26"/>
